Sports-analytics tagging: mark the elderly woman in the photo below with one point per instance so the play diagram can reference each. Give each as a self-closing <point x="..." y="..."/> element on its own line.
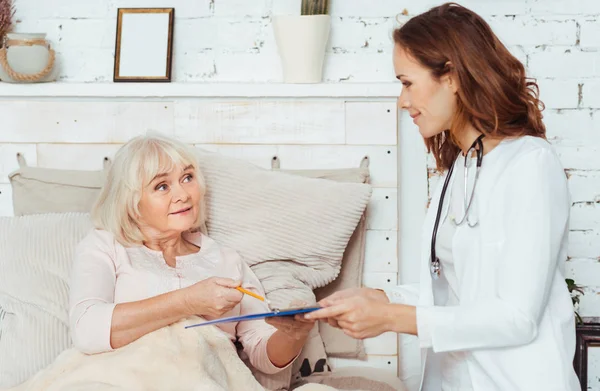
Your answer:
<point x="145" y="266"/>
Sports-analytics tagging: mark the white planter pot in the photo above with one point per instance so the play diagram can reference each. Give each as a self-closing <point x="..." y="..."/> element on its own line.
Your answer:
<point x="29" y="59"/>
<point x="301" y="42"/>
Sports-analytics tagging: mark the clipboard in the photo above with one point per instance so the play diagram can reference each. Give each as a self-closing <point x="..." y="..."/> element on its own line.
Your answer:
<point x="272" y="314"/>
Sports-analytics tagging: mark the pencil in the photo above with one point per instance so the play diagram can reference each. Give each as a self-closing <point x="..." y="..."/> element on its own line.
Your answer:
<point x="259" y="297"/>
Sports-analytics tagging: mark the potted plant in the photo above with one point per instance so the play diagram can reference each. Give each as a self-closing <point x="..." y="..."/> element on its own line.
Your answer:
<point x="301" y="41"/>
<point x="575" y="291"/>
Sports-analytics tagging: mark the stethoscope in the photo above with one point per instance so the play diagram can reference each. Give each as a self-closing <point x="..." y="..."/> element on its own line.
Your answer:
<point x="435" y="267"/>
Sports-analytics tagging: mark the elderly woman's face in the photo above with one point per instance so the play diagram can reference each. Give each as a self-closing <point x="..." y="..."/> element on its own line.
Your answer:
<point x="170" y="202"/>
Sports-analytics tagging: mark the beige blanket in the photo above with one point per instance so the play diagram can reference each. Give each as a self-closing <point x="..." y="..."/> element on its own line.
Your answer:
<point x="172" y="358"/>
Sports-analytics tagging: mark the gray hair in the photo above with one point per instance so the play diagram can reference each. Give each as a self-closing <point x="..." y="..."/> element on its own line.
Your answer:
<point x="135" y="164"/>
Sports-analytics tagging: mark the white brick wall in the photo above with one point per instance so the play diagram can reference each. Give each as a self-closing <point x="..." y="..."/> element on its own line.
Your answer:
<point x="232" y="40"/>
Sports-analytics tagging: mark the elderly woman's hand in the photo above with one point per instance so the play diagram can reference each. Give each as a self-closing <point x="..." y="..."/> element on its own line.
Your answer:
<point x="295" y="327"/>
<point x="213" y="297"/>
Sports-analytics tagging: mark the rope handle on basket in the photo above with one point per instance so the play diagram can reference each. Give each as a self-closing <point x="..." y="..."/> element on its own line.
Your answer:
<point x="25" y="76"/>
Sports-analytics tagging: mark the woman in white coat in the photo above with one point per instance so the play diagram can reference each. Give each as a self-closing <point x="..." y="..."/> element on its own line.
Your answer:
<point x="492" y="311"/>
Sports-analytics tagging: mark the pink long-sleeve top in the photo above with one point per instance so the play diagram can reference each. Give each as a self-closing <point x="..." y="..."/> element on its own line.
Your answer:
<point x="105" y="273"/>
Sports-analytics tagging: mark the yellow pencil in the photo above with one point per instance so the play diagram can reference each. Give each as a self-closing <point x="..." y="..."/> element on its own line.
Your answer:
<point x="259" y="297"/>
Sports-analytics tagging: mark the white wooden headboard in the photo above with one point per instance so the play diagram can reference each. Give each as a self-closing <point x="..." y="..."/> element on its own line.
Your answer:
<point x="307" y="127"/>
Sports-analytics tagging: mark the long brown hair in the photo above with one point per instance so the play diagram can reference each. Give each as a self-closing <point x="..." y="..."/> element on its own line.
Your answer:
<point x="494" y="95"/>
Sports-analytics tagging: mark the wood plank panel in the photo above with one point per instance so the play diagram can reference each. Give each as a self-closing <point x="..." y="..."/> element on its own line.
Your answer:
<point x="382" y="211"/>
<point x="82" y="122"/>
<point x="372" y="123"/>
<point x="260" y="122"/>
<point x="380" y="280"/>
<point x="389" y="363"/>
<point x="381" y="251"/>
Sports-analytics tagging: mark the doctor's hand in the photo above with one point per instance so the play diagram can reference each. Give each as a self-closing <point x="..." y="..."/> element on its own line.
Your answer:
<point x="374" y="294"/>
<point x="366" y="316"/>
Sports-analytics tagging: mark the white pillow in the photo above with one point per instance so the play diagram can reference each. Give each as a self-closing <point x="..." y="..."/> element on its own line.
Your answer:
<point x="35" y="260"/>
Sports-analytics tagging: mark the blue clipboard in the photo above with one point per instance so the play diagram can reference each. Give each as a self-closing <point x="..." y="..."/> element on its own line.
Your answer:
<point x="272" y="314"/>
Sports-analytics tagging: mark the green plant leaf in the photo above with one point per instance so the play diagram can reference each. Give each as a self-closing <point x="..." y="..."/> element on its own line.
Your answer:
<point x="314" y="7"/>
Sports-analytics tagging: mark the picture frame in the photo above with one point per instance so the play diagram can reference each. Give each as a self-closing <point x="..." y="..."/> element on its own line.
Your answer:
<point x="144" y="45"/>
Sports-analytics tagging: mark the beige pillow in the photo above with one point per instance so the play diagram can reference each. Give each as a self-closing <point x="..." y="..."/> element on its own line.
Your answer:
<point x="35" y="261"/>
<point x="285" y="214"/>
<point x="336" y="342"/>
<point x="44" y="190"/>
<point x="267" y="215"/>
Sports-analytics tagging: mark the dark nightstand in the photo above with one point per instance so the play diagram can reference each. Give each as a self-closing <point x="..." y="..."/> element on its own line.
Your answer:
<point x="588" y="334"/>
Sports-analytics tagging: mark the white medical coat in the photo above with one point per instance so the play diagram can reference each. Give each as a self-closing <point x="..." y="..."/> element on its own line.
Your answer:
<point x="515" y="315"/>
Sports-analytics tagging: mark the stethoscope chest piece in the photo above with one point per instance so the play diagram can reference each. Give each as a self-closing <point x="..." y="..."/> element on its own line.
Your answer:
<point x="436" y="269"/>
